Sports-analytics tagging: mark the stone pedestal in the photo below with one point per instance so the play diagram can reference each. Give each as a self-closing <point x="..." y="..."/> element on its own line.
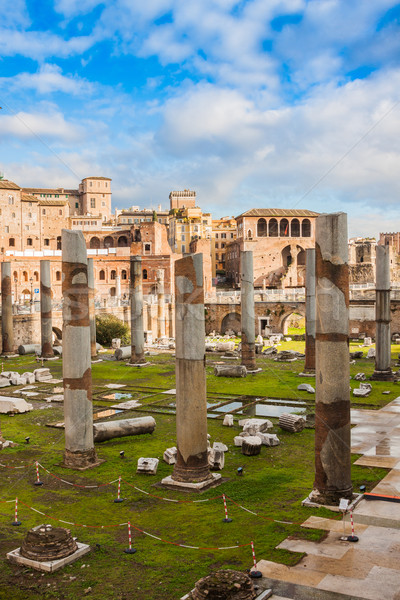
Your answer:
<point x="46" y="324"/>
<point x="136" y="300"/>
<point x="6" y="310"/>
<point x="77" y="373"/>
<point x="383" y="371"/>
<point x="248" y="314"/>
<point x="309" y="366"/>
<point x="332" y="403"/>
<point x="191" y="470"/>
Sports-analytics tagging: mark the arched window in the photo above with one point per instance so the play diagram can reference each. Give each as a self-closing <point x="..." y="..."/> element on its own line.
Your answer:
<point x="94" y="243"/>
<point x="25" y="276"/>
<point x="249" y="234"/>
<point x="58" y="275"/>
<point x="284" y="228"/>
<point x="59" y="242"/>
<point x="108" y="242"/>
<point x="15" y="276"/>
<point x="102" y="275"/>
<point x="122" y="241"/>
<point x="306" y="228"/>
<point x="144" y="273"/>
<point x="11" y="242"/>
<point x="262" y="228"/>
<point x="295" y="228"/>
<point x="113" y="274"/>
<point x="273" y="228"/>
<point x="123" y="274"/>
<point x="36" y="276"/>
<point x="29" y="242"/>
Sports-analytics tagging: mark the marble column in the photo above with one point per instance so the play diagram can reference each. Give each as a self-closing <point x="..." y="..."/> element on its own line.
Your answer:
<point x="383" y="371"/>
<point x="309" y="366"/>
<point x="248" y="314"/>
<point x="191" y="470"/>
<point x="92" y="313"/>
<point x="160" y="304"/>
<point x="78" y="409"/>
<point x="46" y="323"/>
<point x="6" y="310"/>
<point x="136" y="298"/>
<point x="332" y="402"/>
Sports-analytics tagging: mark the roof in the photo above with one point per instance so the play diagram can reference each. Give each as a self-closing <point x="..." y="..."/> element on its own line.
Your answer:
<point x="8" y="185"/>
<point x="28" y="198"/>
<point x="103" y="178"/>
<point x="278" y="212"/>
<point x="44" y="190"/>
<point x="50" y="202"/>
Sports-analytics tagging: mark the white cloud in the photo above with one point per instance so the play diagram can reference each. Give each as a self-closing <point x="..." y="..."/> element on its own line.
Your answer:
<point x="40" y="44"/>
<point x="47" y="80"/>
<point x="30" y="125"/>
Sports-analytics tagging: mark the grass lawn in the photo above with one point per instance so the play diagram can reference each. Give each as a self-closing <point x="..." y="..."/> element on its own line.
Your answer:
<point x="273" y="485"/>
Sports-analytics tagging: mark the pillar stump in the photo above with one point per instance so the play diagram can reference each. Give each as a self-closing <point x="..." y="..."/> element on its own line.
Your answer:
<point x="7" y="332"/>
<point x="191" y="471"/>
<point x="332" y="402"/>
<point x="77" y="374"/>
<point x="383" y="371"/>
<point x="46" y="323"/>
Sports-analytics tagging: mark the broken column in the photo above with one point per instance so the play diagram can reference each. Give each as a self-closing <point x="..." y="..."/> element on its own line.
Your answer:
<point x="309" y="366"/>
<point x="383" y="371"/>
<point x="248" y="316"/>
<point x="92" y="313"/>
<point x="136" y="293"/>
<point x="6" y="310"/>
<point x="46" y="324"/>
<point x="118" y="289"/>
<point x="332" y="402"/>
<point x="78" y="410"/>
<point x="160" y="304"/>
<point x="191" y="470"/>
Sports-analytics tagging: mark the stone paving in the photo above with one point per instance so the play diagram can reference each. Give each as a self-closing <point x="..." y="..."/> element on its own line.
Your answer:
<point x="369" y="568"/>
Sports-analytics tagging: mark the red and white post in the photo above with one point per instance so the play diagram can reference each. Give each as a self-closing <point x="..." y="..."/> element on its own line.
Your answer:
<point x="129" y="550"/>
<point x="37" y="482"/>
<point x="227" y="519"/>
<point x="16" y="522"/>
<point x="352" y="537"/>
<point x="256" y="574"/>
<point x="118" y="498"/>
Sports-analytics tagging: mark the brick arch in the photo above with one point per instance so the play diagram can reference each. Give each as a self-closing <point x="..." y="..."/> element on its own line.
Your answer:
<point x="232" y="320"/>
<point x="284" y="318"/>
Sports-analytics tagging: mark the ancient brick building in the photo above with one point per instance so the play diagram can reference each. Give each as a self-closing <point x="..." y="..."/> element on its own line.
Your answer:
<point x="278" y="239"/>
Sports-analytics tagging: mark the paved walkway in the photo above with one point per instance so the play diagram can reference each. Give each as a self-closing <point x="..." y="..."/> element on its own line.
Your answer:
<point x="369" y="568"/>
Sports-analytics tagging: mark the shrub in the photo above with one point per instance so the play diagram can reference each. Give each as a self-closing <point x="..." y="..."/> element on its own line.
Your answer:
<point x="109" y="327"/>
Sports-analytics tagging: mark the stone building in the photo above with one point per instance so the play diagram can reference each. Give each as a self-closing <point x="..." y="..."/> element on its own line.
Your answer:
<point x="134" y="215"/>
<point x="187" y="223"/>
<point x="223" y="232"/>
<point x="278" y="238"/>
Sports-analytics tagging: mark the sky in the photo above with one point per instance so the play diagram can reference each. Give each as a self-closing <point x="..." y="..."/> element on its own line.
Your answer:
<point x="251" y="103"/>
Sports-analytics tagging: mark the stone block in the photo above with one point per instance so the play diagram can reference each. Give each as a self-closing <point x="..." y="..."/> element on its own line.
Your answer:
<point x="29" y="377"/>
<point x="238" y="440"/>
<point x="17" y="380"/>
<point x="169" y="455"/>
<point x="371" y="353"/>
<point x="251" y="445"/>
<point x="216" y="459"/>
<point x="220" y="447"/>
<point x="306" y="387"/>
<point x="269" y="439"/>
<point x="360" y="377"/>
<point x="147" y="466"/>
<point x="253" y="426"/>
<point x="4" y="382"/>
<point x="293" y="423"/>
<point x="228" y="421"/>
<point x="14" y="405"/>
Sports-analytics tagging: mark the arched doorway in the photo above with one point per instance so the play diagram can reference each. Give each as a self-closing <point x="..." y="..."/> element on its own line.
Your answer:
<point x="122" y="241"/>
<point x="293" y="324"/>
<point x="287" y="258"/>
<point x="231" y="321"/>
<point x="108" y="242"/>
<point x="95" y="243"/>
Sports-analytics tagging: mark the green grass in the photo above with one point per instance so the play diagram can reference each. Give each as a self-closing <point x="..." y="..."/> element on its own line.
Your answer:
<point x="273" y="485"/>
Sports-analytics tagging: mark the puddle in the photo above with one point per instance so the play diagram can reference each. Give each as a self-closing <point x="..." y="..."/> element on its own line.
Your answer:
<point x="268" y="410"/>
<point x="117" y="396"/>
<point x="109" y="412"/>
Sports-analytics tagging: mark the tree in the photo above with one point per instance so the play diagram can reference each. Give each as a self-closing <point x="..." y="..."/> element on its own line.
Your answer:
<point x="155" y="218"/>
<point x="109" y="327"/>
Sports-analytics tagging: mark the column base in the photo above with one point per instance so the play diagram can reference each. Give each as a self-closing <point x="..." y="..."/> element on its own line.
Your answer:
<point x="386" y="375"/>
<point x="313" y="503"/>
<point x="328" y="498"/>
<point x="186" y="486"/>
<point x="81" y="460"/>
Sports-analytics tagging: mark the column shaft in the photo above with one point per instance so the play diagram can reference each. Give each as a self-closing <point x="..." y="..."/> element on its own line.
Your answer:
<point x="160" y="304"/>
<point x="247" y="312"/>
<point x="136" y="293"/>
<point x="332" y="406"/>
<point x="6" y="309"/>
<point x="92" y="312"/>
<point x="383" y="371"/>
<point x="46" y="323"/>
<point x="309" y="365"/>
<point x="191" y="402"/>
<point x="77" y="374"/>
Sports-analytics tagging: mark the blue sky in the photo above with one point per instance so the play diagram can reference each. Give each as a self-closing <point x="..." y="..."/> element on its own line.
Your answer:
<point x="252" y="103"/>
